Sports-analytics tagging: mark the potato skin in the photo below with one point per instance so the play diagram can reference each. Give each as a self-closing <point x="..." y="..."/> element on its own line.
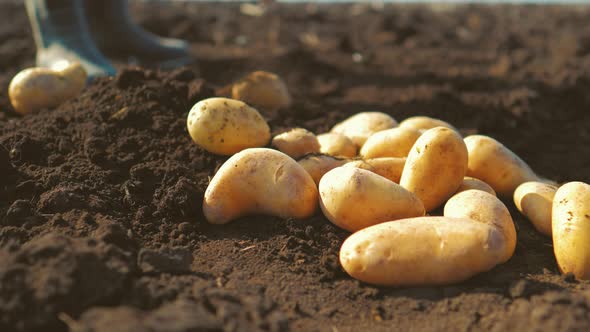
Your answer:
<point x="535" y="201"/>
<point x="296" y="142"/>
<point x="423" y="123"/>
<point x="571" y="229"/>
<point x="486" y="208"/>
<point x="225" y="126"/>
<point x="394" y="142"/>
<point x="470" y="183"/>
<point x="389" y="168"/>
<point x="337" y="145"/>
<point x="362" y="125"/>
<point x="435" y="166"/>
<point x="422" y="251"/>
<point x="493" y="163"/>
<point x="262" y="89"/>
<point x="36" y="88"/>
<point x="259" y="181"/>
<point x="353" y="198"/>
<point x="318" y="165"/>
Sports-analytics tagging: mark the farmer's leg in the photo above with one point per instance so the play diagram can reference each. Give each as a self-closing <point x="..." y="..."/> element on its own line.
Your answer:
<point x="61" y="33"/>
<point x="116" y="34"/>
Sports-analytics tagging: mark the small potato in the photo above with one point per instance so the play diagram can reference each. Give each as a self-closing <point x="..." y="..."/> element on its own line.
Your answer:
<point x="259" y="181"/>
<point x="435" y="166"/>
<point x="262" y="89"/>
<point x="296" y="142"/>
<point x="354" y="198"/>
<point x="496" y="165"/>
<point x="36" y="88"/>
<point x="394" y="142"/>
<point x="225" y="126"/>
<point x="571" y="229"/>
<point x="318" y="165"/>
<point x="389" y="168"/>
<point x="422" y="251"/>
<point x="362" y="125"/>
<point x="470" y="183"/>
<point x="486" y="208"/>
<point x="423" y="123"/>
<point x="535" y="200"/>
<point x="337" y="145"/>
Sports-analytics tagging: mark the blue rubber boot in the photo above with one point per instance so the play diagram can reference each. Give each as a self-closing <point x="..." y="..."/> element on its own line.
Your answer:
<point x="117" y="35"/>
<point x="61" y="33"/>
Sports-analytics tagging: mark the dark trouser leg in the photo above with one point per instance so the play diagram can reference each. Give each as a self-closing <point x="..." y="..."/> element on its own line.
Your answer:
<point x="61" y="33"/>
<point x="116" y="34"/>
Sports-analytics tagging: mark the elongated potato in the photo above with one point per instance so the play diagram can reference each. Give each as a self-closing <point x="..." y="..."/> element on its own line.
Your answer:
<point x="225" y="126"/>
<point x="485" y="208"/>
<point x="262" y="89"/>
<point x="571" y="229"/>
<point x="296" y="142"/>
<point x="337" y="145"/>
<point x="470" y="183"/>
<point x="535" y="200"/>
<point x="389" y="168"/>
<point x="435" y="166"/>
<point x="493" y="163"/>
<point x="362" y="125"/>
<point x="423" y="123"/>
<point x="422" y="251"/>
<point x="36" y="88"/>
<point x="394" y="142"/>
<point x="354" y="198"/>
<point x="318" y="165"/>
<point x="259" y="181"/>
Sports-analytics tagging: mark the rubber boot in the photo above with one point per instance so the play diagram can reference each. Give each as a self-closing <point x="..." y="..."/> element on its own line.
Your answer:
<point x="117" y="35"/>
<point x="61" y="33"/>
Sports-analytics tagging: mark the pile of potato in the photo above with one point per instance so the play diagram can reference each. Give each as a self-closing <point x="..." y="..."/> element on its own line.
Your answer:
<point x="380" y="179"/>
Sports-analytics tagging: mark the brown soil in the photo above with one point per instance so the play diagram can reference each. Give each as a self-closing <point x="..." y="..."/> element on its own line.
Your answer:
<point x="101" y="227"/>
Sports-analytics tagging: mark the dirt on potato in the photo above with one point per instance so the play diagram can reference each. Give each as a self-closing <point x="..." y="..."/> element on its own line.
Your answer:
<point x="101" y="226"/>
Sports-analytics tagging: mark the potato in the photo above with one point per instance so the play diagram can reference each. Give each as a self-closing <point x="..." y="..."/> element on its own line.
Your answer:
<point x="362" y="125"/>
<point x="435" y="166"/>
<point x="354" y="198"/>
<point x="262" y="89"/>
<point x="423" y="123"/>
<point x="36" y="88"/>
<point x="394" y="142"/>
<point x="337" y="145"/>
<point x="535" y="200"/>
<point x="318" y="165"/>
<point x="389" y="168"/>
<point x="260" y="181"/>
<point x="486" y="208"/>
<point x="571" y="229"/>
<point x="496" y="165"/>
<point x="296" y="142"/>
<point x="476" y="184"/>
<point x="422" y="251"/>
<point x="225" y="126"/>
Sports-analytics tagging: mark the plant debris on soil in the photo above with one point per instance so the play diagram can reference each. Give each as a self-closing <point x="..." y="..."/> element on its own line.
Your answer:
<point x="101" y="227"/>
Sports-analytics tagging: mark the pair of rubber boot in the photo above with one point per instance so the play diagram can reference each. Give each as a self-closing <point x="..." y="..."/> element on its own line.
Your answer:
<point x="81" y="30"/>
